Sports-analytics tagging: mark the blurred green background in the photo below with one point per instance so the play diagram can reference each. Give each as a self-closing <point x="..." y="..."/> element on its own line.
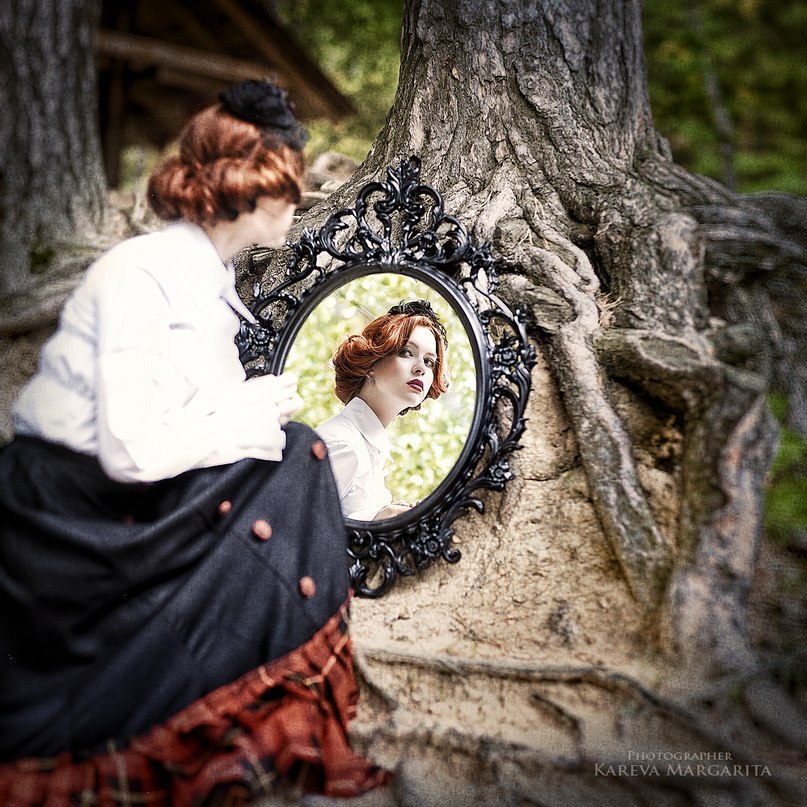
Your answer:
<point x="426" y="443"/>
<point x="356" y="43"/>
<point x="746" y="59"/>
<point x="727" y="80"/>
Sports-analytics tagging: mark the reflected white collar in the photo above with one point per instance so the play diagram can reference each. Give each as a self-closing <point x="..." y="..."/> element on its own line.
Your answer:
<point x="359" y="413"/>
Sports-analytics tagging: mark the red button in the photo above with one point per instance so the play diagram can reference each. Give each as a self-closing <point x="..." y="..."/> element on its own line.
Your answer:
<point x="319" y="450"/>
<point x="225" y="507"/>
<point x="307" y="587"/>
<point x="262" y="529"/>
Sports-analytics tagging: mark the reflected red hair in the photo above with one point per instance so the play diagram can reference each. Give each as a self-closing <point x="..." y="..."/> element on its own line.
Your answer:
<point x="384" y="336"/>
<point x="223" y="166"/>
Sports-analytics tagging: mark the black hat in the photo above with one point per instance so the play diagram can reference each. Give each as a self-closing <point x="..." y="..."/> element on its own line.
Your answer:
<point x="263" y="103"/>
<point x="421" y="308"/>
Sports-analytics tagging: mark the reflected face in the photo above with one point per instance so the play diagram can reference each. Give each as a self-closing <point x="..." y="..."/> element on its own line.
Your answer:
<point x="402" y="380"/>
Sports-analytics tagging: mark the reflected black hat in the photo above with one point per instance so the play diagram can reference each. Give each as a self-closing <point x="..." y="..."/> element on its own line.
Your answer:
<point x="420" y="308"/>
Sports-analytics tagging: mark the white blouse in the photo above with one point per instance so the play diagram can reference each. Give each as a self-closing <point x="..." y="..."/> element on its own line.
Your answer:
<point x="358" y="448"/>
<point x="142" y="371"/>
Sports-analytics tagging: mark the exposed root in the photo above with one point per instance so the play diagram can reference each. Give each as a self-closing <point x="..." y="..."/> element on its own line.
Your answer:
<point x="503" y="757"/>
<point x="604" y="445"/>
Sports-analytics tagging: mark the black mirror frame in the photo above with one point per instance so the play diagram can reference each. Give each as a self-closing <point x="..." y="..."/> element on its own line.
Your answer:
<point x="412" y="236"/>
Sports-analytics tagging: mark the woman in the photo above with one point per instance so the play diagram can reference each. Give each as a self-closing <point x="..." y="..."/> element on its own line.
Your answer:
<point x="173" y="580"/>
<point x="397" y="361"/>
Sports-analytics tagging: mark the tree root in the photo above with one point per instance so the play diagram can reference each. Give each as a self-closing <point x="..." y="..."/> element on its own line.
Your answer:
<point x="498" y="751"/>
<point x="600" y="677"/>
<point x="776" y="712"/>
<point x="604" y="446"/>
<point x="517" y="770"/>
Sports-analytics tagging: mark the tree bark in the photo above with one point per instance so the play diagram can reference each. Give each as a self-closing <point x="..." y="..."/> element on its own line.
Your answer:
<point x="52" y="193"/>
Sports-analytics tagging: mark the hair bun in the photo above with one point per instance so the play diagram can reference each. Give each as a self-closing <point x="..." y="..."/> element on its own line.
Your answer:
<point x="263" y="103"/>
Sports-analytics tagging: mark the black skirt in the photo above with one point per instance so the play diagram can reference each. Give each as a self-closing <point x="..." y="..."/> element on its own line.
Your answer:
<point x="120" y="604"/>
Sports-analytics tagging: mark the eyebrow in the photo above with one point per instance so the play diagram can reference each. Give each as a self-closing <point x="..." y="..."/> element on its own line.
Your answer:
<point x="428" y="353"/>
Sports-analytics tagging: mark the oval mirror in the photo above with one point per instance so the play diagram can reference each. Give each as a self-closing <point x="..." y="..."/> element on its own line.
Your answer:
<point x="397" y="244"/>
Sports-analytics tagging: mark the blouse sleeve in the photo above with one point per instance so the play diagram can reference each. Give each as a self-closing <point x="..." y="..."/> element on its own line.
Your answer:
<point x="355" y="497"/>
<point x="344" y="464"/>
<point x="153" y="421"/>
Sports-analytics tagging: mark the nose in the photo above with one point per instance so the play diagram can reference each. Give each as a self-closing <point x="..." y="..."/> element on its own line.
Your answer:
<point x="419" y="368"/>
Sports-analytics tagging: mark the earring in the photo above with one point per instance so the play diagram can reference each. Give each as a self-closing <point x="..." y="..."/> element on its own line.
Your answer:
<point x="370" y="378"/>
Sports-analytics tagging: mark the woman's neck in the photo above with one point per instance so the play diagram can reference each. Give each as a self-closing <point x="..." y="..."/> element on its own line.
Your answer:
<point x="385" y="411"/>
<point x="226" y="238"/>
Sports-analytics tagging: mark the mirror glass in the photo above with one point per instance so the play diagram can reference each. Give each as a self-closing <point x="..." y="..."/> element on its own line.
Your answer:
<point x="425" y="444"/>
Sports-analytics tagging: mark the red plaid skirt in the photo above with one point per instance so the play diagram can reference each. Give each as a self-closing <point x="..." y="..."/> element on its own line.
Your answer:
<point x="284" y="721"/>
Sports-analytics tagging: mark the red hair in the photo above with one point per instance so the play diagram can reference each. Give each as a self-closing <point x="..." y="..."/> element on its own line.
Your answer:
<point x="224" y="165"/>
<point x="385" y="336"/>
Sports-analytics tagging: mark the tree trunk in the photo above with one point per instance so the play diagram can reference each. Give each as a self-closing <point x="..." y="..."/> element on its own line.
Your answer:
<point x="533" y="121"/>
<point x="52" y="196"/>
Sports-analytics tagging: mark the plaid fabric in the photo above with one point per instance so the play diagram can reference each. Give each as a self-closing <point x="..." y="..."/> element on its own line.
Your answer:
<point x="284" y="721"/>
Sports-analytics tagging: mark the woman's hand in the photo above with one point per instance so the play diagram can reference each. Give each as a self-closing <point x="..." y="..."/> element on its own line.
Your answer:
<point x="282" y="390"/>
<point x="394" y="509"/>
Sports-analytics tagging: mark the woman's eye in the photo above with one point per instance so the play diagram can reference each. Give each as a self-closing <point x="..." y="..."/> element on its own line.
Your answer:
<point x="406" y="353"/>
<point x="429" y="362"/>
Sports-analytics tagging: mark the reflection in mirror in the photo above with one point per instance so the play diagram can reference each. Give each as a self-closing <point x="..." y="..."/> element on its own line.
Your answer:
<point x="424" y="445"/>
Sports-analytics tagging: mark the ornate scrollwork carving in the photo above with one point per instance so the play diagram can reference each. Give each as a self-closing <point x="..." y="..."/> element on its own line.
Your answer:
<point x="399" y="224"/>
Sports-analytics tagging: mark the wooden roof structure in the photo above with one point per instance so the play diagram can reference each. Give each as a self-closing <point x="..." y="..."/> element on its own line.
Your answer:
<point x="160" y="61"/>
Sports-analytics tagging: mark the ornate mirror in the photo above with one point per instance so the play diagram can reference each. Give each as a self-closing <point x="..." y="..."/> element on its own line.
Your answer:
<point x="397" y="244"/>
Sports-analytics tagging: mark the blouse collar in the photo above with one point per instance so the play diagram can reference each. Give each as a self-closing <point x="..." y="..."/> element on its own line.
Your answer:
<point x="362" y="416"/>
<point x="222" y="274"/>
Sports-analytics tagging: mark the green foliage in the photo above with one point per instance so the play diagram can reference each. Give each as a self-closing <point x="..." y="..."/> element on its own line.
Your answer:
<point x="426" y="443"/>
<point x="758" y="53"/>
<point x="357" y="44"/>
<point x="786" y="500"/>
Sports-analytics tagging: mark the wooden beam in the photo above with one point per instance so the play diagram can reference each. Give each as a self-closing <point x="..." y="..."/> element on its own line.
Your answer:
<point x="156" y="53"/>
<point x="204" y="86"/>
<point x="254" y="31"/>
<point x="188" y="22"/>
